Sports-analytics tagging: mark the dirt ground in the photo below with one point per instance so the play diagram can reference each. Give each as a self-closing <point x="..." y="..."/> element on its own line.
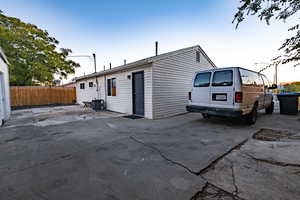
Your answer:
<point x="75" y="153"/>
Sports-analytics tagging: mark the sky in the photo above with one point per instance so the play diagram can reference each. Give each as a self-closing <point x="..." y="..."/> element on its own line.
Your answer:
<point x="127" y="29"/>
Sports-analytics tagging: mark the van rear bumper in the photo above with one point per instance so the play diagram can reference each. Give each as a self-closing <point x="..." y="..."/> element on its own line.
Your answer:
<point x="224" y="112"/>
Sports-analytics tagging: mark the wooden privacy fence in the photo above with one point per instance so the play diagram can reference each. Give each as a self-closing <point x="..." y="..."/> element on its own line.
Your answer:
<point x="35" y="96"/>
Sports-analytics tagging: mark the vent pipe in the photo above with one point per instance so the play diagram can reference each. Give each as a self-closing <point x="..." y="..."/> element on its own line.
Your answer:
<point x="156" y="48"/>
<point x="94" y="56"/>
<point x="124" y="61"/>
<point x="109" y="65"/>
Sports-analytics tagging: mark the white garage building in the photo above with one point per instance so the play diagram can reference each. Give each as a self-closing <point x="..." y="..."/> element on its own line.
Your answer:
<point x="4" y="89"/>
<point x="154" y="87"/>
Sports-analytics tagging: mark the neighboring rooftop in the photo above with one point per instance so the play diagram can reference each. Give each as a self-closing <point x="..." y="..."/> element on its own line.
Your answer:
<point x="144" y="62"/>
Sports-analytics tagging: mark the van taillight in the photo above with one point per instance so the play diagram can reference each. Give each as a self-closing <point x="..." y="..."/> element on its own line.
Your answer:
<point x="238" y="97"/>
<point x="190" y="96"/>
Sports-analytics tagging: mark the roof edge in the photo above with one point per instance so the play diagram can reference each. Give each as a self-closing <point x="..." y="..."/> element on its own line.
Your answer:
<point x="115" y="69"/>
<point x="206" y="56"/>
<point x="184" y="50"/>
<point x="173" y="53"/>
<point x="146" y="61"/>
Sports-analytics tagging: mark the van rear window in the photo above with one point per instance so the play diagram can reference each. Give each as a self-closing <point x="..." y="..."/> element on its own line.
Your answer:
<point x="202" y="79"/>
<point x="223" y="78"/>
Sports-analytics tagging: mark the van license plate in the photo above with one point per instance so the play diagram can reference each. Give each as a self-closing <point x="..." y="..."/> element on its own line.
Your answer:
<point x="221" y="97"/>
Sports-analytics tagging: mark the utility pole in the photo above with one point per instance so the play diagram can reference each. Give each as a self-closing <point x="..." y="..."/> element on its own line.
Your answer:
<point x="276" y="74"/>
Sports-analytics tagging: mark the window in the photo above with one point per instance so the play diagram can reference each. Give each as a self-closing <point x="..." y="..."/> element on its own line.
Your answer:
<point x="197" y="56"/>
<point x="247" y="77"/>
<point x="91" y="84"/>
<point x="259" y="80"/>
<point x="82" y="86"/>
<point x="202" y="80"/>
<point x="223" y="78"/>
<point x="111" y="87"/>
<point x="108" y="87"/>
<point x="250" y="78"/>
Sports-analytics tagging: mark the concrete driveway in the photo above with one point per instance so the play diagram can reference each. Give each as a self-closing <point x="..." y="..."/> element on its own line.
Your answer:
<point x="183" y="157"/>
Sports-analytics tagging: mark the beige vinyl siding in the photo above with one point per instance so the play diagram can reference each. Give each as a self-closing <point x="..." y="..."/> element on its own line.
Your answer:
<point x="172" y="78"/>
<point x="86" y="94"/>
<point x="122" y="102"/>
<point x="167" y="79"/>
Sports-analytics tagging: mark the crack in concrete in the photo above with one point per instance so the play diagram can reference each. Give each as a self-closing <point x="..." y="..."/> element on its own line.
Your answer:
<point x="58" y="159"/>
<point x="164" y="156"/>
<point x="296" y="172"/>
<point x="272" y="162"/>
<point x="199" y="193"/>
<point x="236" y="191"/>
<point x="11" y="139"/>
<point x="219" y="193"/>
<point x="210" y="191"/>
<point x="41" y="195"/>
<point x="214" y="162"/>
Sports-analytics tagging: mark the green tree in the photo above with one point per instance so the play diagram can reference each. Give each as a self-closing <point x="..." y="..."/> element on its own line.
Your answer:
<point x="279" y="10"/>
<point x="32" y="54"/>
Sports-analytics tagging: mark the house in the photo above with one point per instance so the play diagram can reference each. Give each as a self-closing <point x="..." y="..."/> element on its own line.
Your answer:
<point x="4" y="89"/>
<point x="71" y="84"/>
<point x="154" y="87"/>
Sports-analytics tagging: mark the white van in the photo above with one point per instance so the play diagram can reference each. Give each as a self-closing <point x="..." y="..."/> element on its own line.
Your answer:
<point x="230" y="92"/>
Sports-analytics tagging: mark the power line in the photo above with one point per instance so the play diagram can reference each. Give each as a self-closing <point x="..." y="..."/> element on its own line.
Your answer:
<point x="275" y="64"/>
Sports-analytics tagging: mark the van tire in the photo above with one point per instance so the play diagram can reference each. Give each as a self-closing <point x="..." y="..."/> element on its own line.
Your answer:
<point x="205" y="115"/>
<point x="1" y="123"/>
<point x="270" y="109"/>
<point x="252" y="117"/>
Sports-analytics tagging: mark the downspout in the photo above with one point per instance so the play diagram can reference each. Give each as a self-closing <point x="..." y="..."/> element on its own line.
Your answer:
<point x="97" y="84"/>
<point x="105" y="93"/>
<point x="98" y="89"/>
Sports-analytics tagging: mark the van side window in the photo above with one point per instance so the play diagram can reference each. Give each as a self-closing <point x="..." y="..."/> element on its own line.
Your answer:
<point x="223" y="78"/>
<point x="202" y="79"/>
<point x="259" y="80"/>
<point x="250" y="78"/>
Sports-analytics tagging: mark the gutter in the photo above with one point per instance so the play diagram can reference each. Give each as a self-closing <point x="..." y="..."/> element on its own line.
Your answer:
<point x="114" y="70"/>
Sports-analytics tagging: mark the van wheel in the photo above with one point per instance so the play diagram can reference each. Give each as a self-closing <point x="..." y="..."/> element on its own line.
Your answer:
<point x="270" y="109"/>
<point x="252" y="117"/>
<point x="205" y="115"/>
